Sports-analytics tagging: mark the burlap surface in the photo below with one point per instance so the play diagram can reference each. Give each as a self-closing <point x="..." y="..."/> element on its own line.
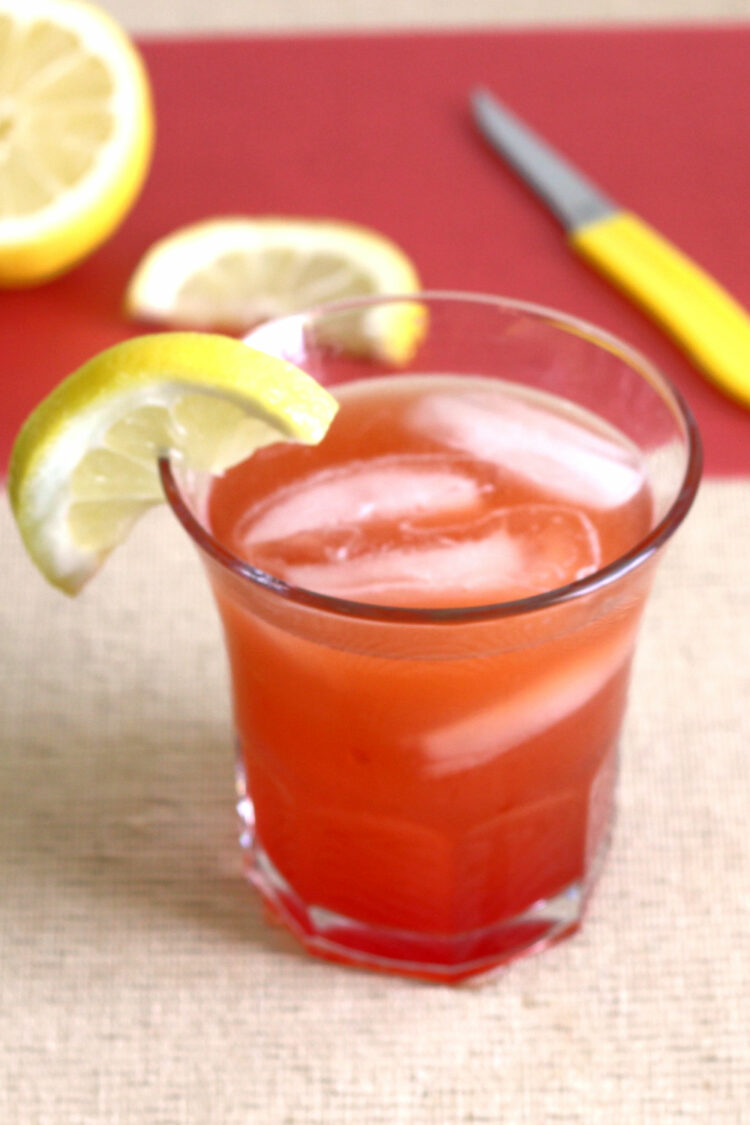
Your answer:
<point x="294" y="15"/>
<point x="140" y="985"/>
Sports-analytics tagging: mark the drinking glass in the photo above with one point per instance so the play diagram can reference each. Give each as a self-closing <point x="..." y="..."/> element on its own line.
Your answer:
<point x="430" y="790"/>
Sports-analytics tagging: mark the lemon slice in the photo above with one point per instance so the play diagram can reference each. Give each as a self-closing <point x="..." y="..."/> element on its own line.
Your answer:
<point x="84" y="466"/>
<point x="76" y="130"/>
<point x="230" y="274"/>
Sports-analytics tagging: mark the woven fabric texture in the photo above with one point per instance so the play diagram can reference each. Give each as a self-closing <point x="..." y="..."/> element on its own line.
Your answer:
<point x="140" y="984"/>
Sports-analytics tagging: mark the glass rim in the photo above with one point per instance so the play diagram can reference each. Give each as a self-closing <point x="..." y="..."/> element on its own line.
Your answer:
<point x="605" y="576"/>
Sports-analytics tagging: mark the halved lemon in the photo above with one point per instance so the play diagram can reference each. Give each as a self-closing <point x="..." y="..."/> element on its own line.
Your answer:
<point x="76" y="134"/>
<point x="230" y="274"/>
<point x="84" y="466"/>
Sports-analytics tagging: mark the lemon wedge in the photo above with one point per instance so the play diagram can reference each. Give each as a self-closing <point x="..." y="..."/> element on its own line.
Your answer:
<point x="84" y="466"/>
<point x="230" y="274"/>
<point x="76" y="133"/>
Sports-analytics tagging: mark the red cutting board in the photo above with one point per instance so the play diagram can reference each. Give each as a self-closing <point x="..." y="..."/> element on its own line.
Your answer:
<point x="376" y="129"/>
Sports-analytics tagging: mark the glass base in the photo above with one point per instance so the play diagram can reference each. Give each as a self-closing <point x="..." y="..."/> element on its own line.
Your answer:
<point x="432" y="957"/>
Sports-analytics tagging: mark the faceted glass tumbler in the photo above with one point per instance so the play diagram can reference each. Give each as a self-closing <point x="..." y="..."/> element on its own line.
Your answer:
<point x="430" y="791"/>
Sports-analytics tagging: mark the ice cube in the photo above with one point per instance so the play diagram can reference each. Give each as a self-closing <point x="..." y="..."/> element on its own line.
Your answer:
<point x="559" y="545"/>
<point x="414" y="575"/>
<point x="479" y="737"/>
<point x="568" y="459"/>
<point x="511" y="553"/>
<point x="388" y="486"/>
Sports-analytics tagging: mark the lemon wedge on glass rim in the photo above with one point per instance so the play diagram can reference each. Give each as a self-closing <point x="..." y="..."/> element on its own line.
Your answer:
<point x="76" y="134"/>
<point x="232" y="273"/>
<point x="84" y="466"/>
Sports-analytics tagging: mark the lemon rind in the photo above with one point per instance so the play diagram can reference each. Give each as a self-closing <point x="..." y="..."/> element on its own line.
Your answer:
<point x="156" y="370"/>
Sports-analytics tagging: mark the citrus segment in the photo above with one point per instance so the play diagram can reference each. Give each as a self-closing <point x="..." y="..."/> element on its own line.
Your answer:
<point x="230" y="274"/>
<point x="76" y="134"/>
<point x="84" y="466"/>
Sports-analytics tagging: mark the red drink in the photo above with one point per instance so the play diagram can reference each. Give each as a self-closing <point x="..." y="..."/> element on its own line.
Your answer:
<point x="430" y="619"/>
<point x="433" y="794"/>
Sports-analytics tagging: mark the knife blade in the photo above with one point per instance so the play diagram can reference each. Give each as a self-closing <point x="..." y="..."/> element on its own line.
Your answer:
<point x="712" y="328"/>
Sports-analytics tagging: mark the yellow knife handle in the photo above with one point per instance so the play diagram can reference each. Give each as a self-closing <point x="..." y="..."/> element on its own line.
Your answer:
<point x="701" y="316"/>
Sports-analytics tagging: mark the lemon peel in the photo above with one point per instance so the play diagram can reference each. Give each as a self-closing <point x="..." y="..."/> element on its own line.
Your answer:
<point x="76" y="134"/>
<point x="84" y="466"/>
<point x="232" y="273"/>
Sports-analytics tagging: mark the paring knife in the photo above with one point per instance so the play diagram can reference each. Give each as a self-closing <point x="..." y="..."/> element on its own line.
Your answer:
<point x="708" y="323"/>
